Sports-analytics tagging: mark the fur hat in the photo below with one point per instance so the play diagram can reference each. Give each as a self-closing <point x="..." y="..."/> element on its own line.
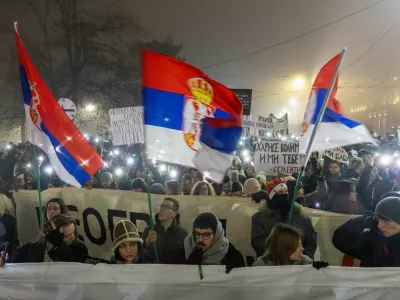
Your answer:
<point x="234" y="175"/>
<point x="262" y="177"/>
<point x="125" y="231"/>
<point x="251" y="186"/>
<point x="275" y="186"/>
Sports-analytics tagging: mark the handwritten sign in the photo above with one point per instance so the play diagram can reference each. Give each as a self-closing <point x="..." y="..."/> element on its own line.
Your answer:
<point x="127" y="125"/>
<point x="338" y="154"/>
<point x="270" y="127"/>
<point x="275" y="157"/>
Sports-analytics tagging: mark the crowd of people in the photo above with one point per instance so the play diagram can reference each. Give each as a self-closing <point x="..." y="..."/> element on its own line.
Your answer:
<point x="367" y="186"/>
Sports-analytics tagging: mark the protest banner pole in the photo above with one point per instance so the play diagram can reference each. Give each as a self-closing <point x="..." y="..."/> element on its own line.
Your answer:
<point x="314" y="132"/>
<point x="154" y="246"/>
<point x="37" y="175"/>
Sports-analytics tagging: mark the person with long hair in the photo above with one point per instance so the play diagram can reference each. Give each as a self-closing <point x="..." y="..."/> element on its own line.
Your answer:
<point x="203" y="188"/>
<point x="283" y="247"/>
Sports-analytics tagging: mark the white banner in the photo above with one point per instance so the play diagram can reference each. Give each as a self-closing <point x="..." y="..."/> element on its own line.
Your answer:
<point x="151" y="282"/>
<point x="96" y="212"/>
<point x="127" y="125"/>
<point x="270" y="127"/>
<point x="337" y="154"/>
<point x="275" y="157"/>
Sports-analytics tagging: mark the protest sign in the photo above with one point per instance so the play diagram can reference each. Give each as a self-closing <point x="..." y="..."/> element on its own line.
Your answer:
<point x="244" y="96"/>
<point x="97" y="211"/>
<point x="127" y="125"/>
<point x="273" y="157"/>
<point x="272" y="127"/>
<point x="338" y="154"/>
<point x="44" y="281"/>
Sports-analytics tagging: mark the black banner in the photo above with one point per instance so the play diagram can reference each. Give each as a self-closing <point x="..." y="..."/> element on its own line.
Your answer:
<point x="244" y="96"/>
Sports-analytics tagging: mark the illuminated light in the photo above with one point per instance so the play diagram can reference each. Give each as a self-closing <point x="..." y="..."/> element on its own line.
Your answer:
<point x="118" y="172"/>
<point x="86" y="135"/>
<point x="58" y="148"/>
<point x="398" y="162"/>
<point x="298" y="82"/>
<point x="105" y="164"/>
<point x="48" y="170"/>
<point x="396" y="154"/>
<point x="162" y="151"/>
<point x="157" y="141"/>
<point x="327" y="139"/>
<point x="166" y="119"/>
<point x="41" y="158"/>
<point x="385" y="115"/>
<point x="297" y="138"/>
<point x="395" y="78"/>
<point x="28" y="166"/>
<point x="245" y="152"/>
<point x="284" y="138"/>
<point x="259" y="139"/>
<point x="292" y="136"/>
<point x="85" y="162"/>
<point x="279" y="135"/>
<point x="269" y="134"/>
<point x="8" y="147"/>
<point x="116" y="151"/>
<point x="317" y="205"/>
<point x="97" y="140"/>
<point x="159" y="156"/>
<point x="292" y="101"/>
<point x="173" y="173"/>
<point x="69" y="138"/>
<point x="154" y="161"/>
<point x="247" y="159"/>
<point x="130" y="161"/>
<point x="241" y="143"/>
<point x="111" y="153"/>
<point x="351" y="110"/>
<point x="20" y="142"/>
<point x="162" y="168"/>
<point x="386" y="159"/>
<point x="90" y="107"/>
<point x="206" y="174"/>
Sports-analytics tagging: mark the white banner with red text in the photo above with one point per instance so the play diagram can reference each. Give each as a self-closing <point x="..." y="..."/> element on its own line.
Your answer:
<point x="97" y="211"/>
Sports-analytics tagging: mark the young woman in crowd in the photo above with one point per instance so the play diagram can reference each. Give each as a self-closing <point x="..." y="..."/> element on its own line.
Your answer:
<point x="127" y="246"/>
<point x="173" y="187"/>
<point x="168" y="235"/>
<point x="276" y="210"/>
<point x="55" y="207"/>
<point x="8" y="225"/>
<point x="58" y="242"/>
<point x="343" y="198"/>
<point x="283" y="247"/>
<point x="203" y="188"/>
<point x="139" y="185"/>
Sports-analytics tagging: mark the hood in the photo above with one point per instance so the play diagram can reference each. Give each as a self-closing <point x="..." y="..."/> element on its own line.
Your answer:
<point x="298" y="209"/>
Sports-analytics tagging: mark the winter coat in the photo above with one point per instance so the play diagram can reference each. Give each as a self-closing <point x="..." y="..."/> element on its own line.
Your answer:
<point x="305" y="260"/>
<point x="311" y="199"/>
<point x="350" y="173"/>
<point x="169" y="242"/>
<point x="34" y="253"/>
<point x="368" y="194"/>
<point x="310" y="184"/>
<point x="341" y="205"/>
<point x="125" y="185"/>
<point x="264" y="221"/>
<point x="361" y="239"/>
<point x="8" y="233"/>
<point x="232" y="259"/>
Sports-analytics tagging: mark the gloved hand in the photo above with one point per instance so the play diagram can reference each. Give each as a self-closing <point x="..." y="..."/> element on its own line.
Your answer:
<point x="319" y="264"/>
<point x="55" y="236"/>
<point x="229" y="268"/>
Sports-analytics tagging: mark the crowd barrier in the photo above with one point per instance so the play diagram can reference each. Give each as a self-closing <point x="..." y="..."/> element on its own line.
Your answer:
<point x="148" y="282"/>
<point x="97" y="211"/>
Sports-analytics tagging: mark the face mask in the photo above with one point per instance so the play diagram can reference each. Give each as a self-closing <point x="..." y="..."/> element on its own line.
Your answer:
<point x="280" y="202"/>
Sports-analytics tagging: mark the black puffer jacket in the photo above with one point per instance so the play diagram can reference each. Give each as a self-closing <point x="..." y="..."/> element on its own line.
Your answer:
<point x="34" y="253"/>
<point x="361" y="239"/>
<point x="169" y="243"/>
<point x="369" y="194"/>
<point x="8" y="233"/>
<point x="264" y="221"/>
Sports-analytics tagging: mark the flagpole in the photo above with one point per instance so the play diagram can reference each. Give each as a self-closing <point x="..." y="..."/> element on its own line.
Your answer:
<point x="37" y="175"/>
<point x="154" y="246"/>
<point x="314" y="132"/>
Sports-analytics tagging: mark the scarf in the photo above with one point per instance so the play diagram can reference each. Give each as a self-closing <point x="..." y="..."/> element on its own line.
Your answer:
<point x="216" y="253"/>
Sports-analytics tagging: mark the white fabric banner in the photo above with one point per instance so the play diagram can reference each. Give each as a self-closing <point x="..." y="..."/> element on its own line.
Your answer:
<point x="127" y="125"/>
<point x="63" y="281"/>
<point x="96" y="212"/>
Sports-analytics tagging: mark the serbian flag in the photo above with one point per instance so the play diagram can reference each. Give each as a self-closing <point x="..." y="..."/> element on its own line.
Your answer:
<point x="49" y="128"/>
<point x="189" y="118"/>
<point x="335" y="129"/>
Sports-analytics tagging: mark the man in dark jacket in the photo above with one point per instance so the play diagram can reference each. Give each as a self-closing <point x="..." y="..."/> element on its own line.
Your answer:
<point x="206" y="244"/>
<point x="371" y="187"/>
<point x="168" y="235"/>
<point x="373" y="239"/>
<point x="275" y="211"/>
<point x="59" y="244"/>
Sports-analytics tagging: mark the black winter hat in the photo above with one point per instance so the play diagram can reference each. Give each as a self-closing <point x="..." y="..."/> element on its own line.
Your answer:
<point x="389" y="208"/>
<point x="206" y="220"/>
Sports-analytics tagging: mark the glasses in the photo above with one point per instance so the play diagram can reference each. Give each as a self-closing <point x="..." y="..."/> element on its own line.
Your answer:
<point x="165" y="207"/>
<point x="205" y="235"/>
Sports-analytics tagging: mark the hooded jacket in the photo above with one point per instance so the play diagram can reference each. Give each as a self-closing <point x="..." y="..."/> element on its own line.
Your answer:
<point x="169" y="242"/>
<point x="264" y="221"/>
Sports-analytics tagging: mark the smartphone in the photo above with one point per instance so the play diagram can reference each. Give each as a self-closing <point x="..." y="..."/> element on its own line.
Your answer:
<point x="5" y="253"/>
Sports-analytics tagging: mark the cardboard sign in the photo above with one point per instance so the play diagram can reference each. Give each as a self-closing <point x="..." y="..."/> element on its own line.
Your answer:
<point x="127" y="125"/>
<point x="269" y="127"/>
<point x="273" y="157"/>
<point x="244" y="96"/>
<point x="338" y="154"/>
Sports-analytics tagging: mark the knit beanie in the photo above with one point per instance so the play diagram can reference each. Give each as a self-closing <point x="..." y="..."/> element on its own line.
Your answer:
<point x="206" y="220"/>
<point x="389" y="208"/>
<point x="275" y="186"/>
<point x="125" y="231"/>
<point x="262" y="178"/>
<point x="234" y="175"/>
<point x="251" y="186"/>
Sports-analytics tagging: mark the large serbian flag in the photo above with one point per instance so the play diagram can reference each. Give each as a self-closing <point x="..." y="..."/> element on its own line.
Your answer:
<point x="49" y="128"/>
<point x="335" y="129"/>
<point x="189" y="118"/>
